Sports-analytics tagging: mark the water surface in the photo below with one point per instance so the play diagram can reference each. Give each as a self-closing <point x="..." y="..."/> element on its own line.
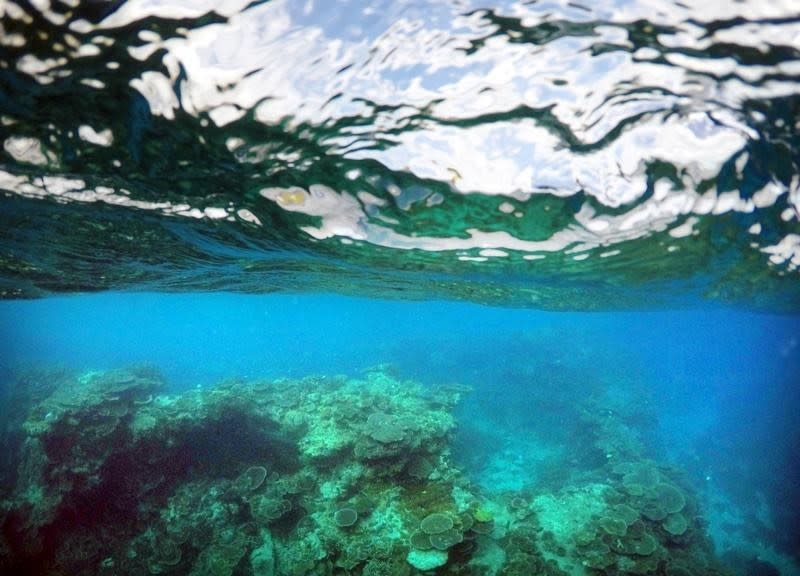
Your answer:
<point x="546" y="154"/>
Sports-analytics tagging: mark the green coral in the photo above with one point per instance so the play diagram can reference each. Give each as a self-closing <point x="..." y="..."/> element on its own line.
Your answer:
<point x="675" y="524"/>
<point x="251" y="479"/>
<point x="483" y="515"/>
<point x="436" y="523"/>
<point x="262" y="558"/>
<point x="613" y="526"/>
<point x="221" y="557"/>
<point x="345" y="517"/>
<point x="425" y="560"/>
<point x="446" y="539"/>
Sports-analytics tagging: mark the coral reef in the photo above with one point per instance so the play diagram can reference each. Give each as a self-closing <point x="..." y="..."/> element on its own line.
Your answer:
<point x="309" y="477"/>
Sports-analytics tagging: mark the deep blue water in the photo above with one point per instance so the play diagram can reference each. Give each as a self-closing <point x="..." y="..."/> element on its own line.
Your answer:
<point x="719" y="387"/>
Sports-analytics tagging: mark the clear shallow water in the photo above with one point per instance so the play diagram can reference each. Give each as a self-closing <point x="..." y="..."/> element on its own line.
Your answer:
<point x="712" y="393"/>
<point x="561" y="162"/>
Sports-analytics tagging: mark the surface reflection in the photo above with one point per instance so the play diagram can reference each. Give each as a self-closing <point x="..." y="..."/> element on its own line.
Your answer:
<point x="503" y="133"/>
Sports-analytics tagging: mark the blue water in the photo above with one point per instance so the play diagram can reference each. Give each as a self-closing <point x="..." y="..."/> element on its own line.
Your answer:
<point x="719" y="386"/>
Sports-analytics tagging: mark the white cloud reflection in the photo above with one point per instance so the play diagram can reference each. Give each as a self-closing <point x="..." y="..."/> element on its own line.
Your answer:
<point x="294" y="66"/>
<point x="316" y="63"/>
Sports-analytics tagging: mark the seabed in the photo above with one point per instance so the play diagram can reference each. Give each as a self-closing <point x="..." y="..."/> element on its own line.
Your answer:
<point x="116" y="475"/>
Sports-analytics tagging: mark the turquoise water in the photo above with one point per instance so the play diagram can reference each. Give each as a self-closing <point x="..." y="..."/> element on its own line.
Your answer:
<point x="397" y="288"/>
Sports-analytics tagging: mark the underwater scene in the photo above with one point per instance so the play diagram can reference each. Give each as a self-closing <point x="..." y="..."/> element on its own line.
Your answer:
<point x="378" y="288"/>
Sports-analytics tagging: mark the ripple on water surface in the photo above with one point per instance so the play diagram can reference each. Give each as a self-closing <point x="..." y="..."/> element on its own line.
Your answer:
<point x="543" y="154"/>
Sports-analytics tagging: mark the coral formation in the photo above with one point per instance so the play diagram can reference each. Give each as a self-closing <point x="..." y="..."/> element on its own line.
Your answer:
<point x="312" y="477"/>
<point x="345" y="517"/>
<point x="436" y="523"/>
<point x="251" y="479"/>
<point x="425" y="560"/>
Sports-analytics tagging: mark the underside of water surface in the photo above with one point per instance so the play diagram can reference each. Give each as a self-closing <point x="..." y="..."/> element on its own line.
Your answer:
<point x="545" y="154"/>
